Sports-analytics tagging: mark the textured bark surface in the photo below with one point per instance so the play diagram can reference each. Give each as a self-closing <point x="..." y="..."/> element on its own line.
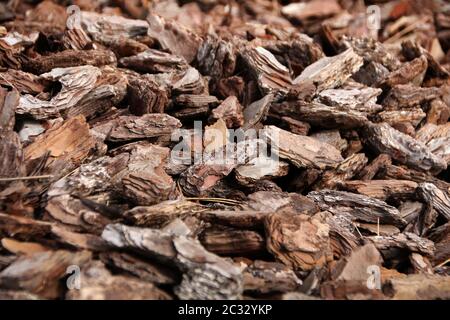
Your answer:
<point x="268" y="277"/>
<point x="271" y="75"/>
<point x="153" y="61"/>
<point x="302" y="151"/>
<point x="416" y="287"/>
<point x="70" y="142"/>
<point x="211" y="149"/>
<point x="360" y="207"/>
<point x="299" y="241"/>
<point x="321" y="115"/>
<point x="404" y="241"/>
<point x="100" y="284"/>
<point x="331" y="72"/>
<point x="232" y="242"/>
<point x="230" y="110"/>
<point x="173" y="37"/>
<point x="382" y="189"/>
<point x="225" y="280"/>
<point x="437" y="198"/>
<point x="403" y="148"/>
<point x="76" y="82"/>
<point x="146" y="96"/>
<point x="346" y="170"/>
<point x="127" y="128"/>
<point x="163" y="213"/>
<point x="40" y="273"/>
<point x="70" y="58"/>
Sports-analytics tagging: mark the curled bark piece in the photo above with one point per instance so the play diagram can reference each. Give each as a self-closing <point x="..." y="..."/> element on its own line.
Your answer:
<point x="403" y="148"/>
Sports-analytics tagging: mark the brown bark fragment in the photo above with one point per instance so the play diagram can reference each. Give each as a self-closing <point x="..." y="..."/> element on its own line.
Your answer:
<point x="298" y="241"/>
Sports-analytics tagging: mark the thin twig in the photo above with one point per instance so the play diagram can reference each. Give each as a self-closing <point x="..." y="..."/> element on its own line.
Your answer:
<point x="47" y="176"/>
<point x="407" y="29"/>
<point x="357" y="229"/>
<point x="442" y="264"/>
<point x="227" y="201"/>
<point x="378" y="226"/>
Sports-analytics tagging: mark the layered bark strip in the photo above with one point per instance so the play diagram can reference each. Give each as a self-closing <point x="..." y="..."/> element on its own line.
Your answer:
<point x="211" y="149"/>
